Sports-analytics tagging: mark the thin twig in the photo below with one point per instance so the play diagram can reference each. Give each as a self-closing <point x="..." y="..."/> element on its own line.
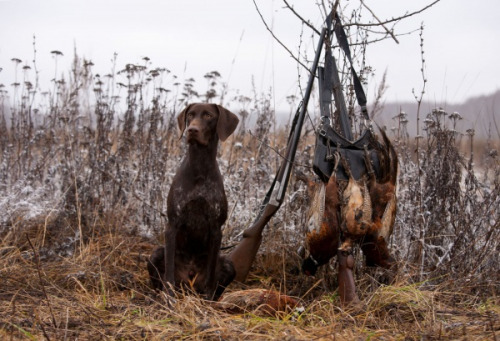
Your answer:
<point x="358" y="24"/>
<point x="417" y="151"/>
<point x="276" y="38"/>
<point x="379" y="39"/>
<point x="380" y="22"/>
<point x="394" y="19"/>
<point x="306" y="22"/>
<point x="161" y="213"/>
<point x="37" y="261"/>
<point x="276" y="151"/>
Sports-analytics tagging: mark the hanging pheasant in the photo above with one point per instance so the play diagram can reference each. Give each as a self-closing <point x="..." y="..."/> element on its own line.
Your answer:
<point x="362" y="214"/>
<point x="322" y="236"/>
<point x="356" y="202"/>
<point x="384" y="203"/>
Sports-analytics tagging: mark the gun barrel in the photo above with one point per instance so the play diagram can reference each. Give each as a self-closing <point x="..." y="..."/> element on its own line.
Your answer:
<point x="286" y="169"/>
<point x="244" y="254"/>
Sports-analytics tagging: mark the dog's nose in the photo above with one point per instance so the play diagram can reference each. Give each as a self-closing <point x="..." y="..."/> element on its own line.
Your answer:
<point x="193" y="130"/>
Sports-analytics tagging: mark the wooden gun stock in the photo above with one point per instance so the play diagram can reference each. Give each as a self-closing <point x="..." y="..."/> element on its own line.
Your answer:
<point x="244" y="253"/>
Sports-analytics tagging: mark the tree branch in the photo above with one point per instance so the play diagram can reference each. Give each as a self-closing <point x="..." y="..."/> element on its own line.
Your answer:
<point x="306" y="22"/>
<point x="388" y="32"/>
<point x="393" y="19"/>
<point x="276" y="38"/>
<point x="386" y="36"/>
<point x="380" y="22"/>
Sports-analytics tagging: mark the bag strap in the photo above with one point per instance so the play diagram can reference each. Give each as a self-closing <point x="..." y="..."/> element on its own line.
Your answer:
<point x="344" y="45"/>
<point x="329" y="82"/>
<point x="325" y="78"/>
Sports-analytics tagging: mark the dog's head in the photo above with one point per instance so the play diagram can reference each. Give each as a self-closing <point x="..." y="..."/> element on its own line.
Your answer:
<point x="203" y="121"/>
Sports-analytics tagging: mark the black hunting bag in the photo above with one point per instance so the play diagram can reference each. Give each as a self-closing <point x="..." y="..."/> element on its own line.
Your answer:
<point x="330" y="145"/>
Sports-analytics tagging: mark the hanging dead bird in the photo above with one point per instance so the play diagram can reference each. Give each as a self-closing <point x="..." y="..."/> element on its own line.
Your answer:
<point x="362" y="214"/>
<point x="384" y="203"/>
<point x="368" y="209"/>
<point x="364" y="196"/>
<point x="356" y="210"/>
<point x="323" y="233"/>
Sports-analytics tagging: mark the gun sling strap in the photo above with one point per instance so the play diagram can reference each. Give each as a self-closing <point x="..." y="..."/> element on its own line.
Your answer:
<point x="330" y="145"/>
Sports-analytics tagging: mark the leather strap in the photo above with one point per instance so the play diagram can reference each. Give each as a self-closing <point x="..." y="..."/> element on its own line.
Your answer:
<point x="344" y="45"/>
<point x="329" y="82"/>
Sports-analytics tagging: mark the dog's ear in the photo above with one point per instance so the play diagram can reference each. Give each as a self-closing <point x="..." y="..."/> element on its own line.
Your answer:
<point x="181" y="119"/>
<point x="227" y="123"/>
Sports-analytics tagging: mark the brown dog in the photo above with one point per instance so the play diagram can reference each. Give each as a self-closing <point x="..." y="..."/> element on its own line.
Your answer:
<point x="196" y="208"/>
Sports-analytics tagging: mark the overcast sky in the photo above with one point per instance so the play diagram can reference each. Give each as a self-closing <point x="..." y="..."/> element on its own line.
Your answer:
<point x="192" y="37"/>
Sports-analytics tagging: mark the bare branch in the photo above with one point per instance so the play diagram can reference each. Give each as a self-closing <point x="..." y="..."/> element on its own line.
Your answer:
<point x="394" y="19"/>
<point x="276" y="38"/>
<point x="264" y="143"/>
<point x="306" y="22"/>
<point x="386" y="36"/>
<point x="388" y="32"/>
<point x="380" y="22"/>
<point x="39" y="271"/>
<point x="378" y="105"/>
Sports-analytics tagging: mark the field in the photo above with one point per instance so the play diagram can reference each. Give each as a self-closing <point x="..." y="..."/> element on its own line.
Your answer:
<point x="85" y="168"/>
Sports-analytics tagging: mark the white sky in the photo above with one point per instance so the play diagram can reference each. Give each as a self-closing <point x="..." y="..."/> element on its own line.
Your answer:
<point x="193" y="37"/>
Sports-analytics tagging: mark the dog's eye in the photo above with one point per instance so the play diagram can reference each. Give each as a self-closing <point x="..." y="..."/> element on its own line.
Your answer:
<point x="189" y="115"/>
<point x="207" y="115"/>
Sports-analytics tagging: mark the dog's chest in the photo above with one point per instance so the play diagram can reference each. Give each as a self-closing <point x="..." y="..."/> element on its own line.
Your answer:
<point x="198" y="204"/>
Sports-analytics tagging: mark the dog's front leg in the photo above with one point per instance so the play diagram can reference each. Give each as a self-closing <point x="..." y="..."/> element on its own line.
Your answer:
<point x="169" y="274"/>
<point x="213" y="257"/>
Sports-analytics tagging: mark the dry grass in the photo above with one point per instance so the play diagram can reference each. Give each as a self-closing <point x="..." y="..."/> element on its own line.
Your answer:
<point x="83" y="180"/>
<point x="103" y="293"/>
